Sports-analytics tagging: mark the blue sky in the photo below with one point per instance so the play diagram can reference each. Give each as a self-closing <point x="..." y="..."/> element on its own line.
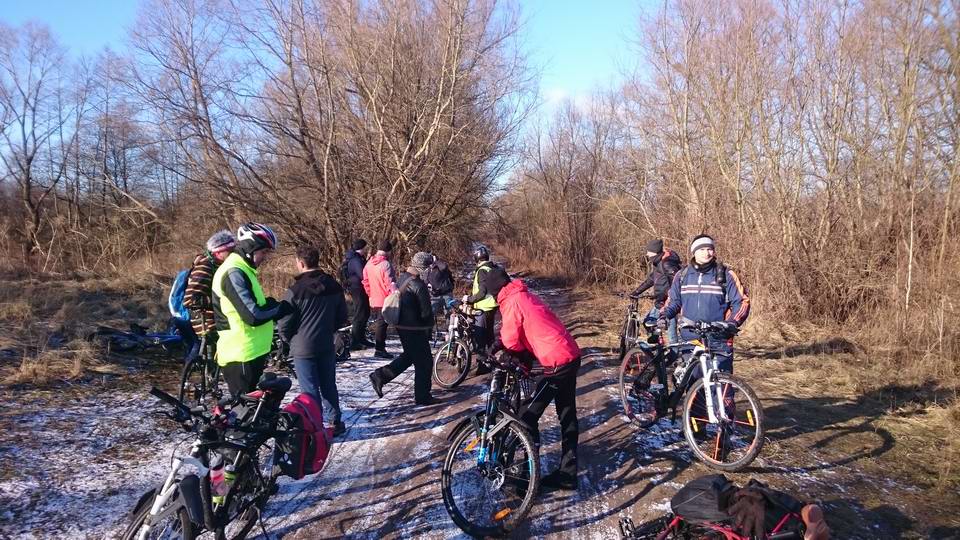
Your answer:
<point x="580" y="45"/>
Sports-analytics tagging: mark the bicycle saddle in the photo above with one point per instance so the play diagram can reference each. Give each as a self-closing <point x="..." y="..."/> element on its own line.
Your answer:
<point x="269" y="382"/>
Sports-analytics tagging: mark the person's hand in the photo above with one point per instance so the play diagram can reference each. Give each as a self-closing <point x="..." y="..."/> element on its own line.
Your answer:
<point x="726" y="327"/>
<point x="284" y="308"/>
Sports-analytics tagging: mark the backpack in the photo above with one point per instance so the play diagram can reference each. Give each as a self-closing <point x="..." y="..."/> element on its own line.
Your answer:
<point x="704" y="499"/>
<point x="305" y="450"/>
<point x="345" y="270"/>
<point x="391" y="304"/>
<point x="721" y="278"/>
<point x="177" y="292"/>
<point x="440" y="280"/>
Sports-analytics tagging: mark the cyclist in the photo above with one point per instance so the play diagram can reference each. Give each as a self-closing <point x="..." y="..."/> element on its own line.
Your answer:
<point x="244" y="315"/>
<point x="352" y="274"/>
<point x="529" y="328"/>
<point x="706" y="290"/>
<point x="439" y="280"/>
<point x="484" y="301"/>
<point x="379" y="281"/>
<point x="664" y="264"/>
<point x="198" y="297"/>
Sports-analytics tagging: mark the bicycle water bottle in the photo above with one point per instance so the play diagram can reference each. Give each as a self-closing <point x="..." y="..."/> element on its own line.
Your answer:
<point x="218" y="483"/>
<point x="229" y="475"/>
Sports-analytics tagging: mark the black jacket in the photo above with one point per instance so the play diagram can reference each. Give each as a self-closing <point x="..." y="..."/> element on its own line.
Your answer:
<point x="319" y="309"/>
<point x="415" y="310"/>
<point x="439" y="278"/>
<point x="354" y="277"/>
<point x="665" y="266"/>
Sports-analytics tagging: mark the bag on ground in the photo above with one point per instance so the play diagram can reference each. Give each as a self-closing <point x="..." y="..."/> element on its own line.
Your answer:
<point x="305" y="449"/>
<point x="704" y="499"/>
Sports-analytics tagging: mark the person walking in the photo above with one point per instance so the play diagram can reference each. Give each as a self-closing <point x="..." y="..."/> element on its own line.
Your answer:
<point x="319" y="309"/>
<point x="379" y="281"/>
<point x="664" y="264"/>
<point x="352" y="274"/>
<point x="416" y="320"/>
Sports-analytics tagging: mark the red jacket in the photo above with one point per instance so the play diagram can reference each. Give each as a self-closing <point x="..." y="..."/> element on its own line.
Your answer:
<point x="529" y="325"/>
<point x="378" y="280"/>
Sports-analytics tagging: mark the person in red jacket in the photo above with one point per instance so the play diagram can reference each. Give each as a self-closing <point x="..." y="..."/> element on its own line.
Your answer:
<point x="379" y="281"/>
<point x="530" y="328"/>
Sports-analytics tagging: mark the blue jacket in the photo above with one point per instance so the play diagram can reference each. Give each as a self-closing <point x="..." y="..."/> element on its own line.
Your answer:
<point x="697" y="296"/>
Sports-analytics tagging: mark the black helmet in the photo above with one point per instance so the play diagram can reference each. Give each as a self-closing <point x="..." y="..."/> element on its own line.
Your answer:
<point x="481" y="254"/>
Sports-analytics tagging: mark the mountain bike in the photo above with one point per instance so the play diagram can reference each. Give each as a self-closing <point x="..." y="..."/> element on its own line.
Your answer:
<point x="451" y="362"/>
<point x="632" y="324"/>
<point x="138" y="338"/>
<point x="190" y="501"/>
<point x="200" y="378"/>
<point x="722" y="416"/>
<point x="491" y="471"/>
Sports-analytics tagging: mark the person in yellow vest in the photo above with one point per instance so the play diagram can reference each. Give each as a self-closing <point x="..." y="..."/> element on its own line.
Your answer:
<point x="483" y="301"/>
<point x="243" y="314"/>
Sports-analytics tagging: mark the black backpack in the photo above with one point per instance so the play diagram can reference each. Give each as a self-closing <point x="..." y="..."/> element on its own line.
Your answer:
<point x="440" y="280"/>
<point x="704" y="499"/>
<point x="344" y="269"/>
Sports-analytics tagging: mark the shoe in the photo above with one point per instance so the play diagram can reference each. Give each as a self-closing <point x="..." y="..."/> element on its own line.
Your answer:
<point x="339" y="428"/>
<point x="383" y="354"/>
<point x="377" y="381"/>
<point x="368" y="344"/>
<point x="358" y="346"/>
<point x="560" y="480"/>
<point x="429" y="401"/>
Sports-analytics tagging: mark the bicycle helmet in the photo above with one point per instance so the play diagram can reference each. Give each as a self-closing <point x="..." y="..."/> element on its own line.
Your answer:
<point x="221" y="241"/>
<point x="481" y="254"/>
<point x="255" y="236"/>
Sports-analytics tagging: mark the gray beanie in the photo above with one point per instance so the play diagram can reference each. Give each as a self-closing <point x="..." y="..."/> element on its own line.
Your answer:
<point x="421" y="260"/>
<point x="220" y="241"/>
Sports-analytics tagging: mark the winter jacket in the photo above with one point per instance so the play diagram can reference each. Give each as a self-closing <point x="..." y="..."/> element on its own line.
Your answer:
<point x="354" y="271"/>
<point x="378" y="279"/>
<point x="481" y="298"/>
<point x="416" y="312"/>
<point x="244" y="316"/>
<point x="319" y="309"/>
<point x="529" y="325"/>
<point x="439" y="279"/>
<point x="198" y="297"/>
<point x="696" y="295"/>
<point x="664" y="267"/>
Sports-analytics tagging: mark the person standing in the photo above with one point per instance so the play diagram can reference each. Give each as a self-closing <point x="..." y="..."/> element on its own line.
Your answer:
<point x="416" y="320"/>
<point x="319" y="308"/>
<point x="352" y="274"/>
<point x="485" y="302"/>
<point x="439" y="280"/>
<point x="243" y="314"/>
<point x="198" y="298"/>
<point x="664" y="264"/>
<point x="379" y="281"/>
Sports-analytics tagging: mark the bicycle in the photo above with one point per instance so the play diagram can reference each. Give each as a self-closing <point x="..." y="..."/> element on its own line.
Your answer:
<point x="491" y="472"/>
<point x="725" y="431"/>
<point x="138" y="338"/>
<point x="632" y="323"/>
<point x="451" y="362"/>
<point x="200" y="378"/>
<point x="184" y="505"/>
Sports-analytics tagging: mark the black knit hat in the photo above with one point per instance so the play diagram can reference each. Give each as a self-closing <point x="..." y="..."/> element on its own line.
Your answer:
<point x="655" y="246"/>
<point x="358" y="244"/>
<point x="385" y="245"/>
<point x="496" y="280"/>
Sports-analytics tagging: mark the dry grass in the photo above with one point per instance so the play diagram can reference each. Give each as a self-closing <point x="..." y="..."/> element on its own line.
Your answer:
<point x="15" y="312"/>
<point x="52" y="364"/>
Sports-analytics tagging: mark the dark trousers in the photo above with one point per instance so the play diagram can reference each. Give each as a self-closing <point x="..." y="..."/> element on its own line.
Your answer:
<point x="361" y="314"/>
<point x="485" y="332"/>
<point x="379" y="329"/>
<point x="416" y="353"/>
<point x="242" y="377"/>
<point x="317" y="377"/>
<point x="561" y="388"/>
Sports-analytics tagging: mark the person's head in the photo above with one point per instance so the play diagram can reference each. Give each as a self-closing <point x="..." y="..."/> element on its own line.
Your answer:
<point x="221" y="244"/>
<point x="308" y="258"/>
<point x="385" y="248"/>
<point x="497" y="279"/>
<point x="420" y="262"/>
<point x="255" y="243"/>
<point x="481" y="254"/>
<point x="360" y="246"/>
<point x="654" y="248"/>
<point x="702" y="249"/>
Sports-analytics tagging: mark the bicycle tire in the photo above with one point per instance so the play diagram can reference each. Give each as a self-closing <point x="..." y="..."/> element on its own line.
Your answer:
<point x="511" y="518"/>
<point x="193" y="383"/>
<point x="638" y="403"/>
<point x="739" y="386"/>
<point x="181" y="519"/>
<point x="461" y="367"/>
<point x="628" y="335"/>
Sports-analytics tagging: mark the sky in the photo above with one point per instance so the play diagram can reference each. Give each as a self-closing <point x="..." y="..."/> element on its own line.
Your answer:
<point x="579" y="45"/>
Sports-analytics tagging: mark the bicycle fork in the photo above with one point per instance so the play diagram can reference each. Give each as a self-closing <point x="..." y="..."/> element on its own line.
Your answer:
<point x="713" y="393"/>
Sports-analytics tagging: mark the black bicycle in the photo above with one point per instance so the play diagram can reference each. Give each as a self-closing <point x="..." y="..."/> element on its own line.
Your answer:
<point x="233" y="472"/>
<point x="200" y="378"/>
<point x="722" y="416"/>
<point x="451" y="362"/>
<point x="491" y="471"/>
<point x="630" y="330"/>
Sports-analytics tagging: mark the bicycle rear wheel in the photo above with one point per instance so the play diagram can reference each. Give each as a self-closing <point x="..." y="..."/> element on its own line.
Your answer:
<point x="451" y="364"/>
<point x="728" y="444"/>
<point x="490" y="499"/>
<point x="637" y="371"/>
<point x="253" y="492"/>
<point x="193" y="383"/>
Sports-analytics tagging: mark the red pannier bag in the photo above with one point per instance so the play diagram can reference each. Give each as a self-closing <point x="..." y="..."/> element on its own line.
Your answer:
<point x="304" y="449"/>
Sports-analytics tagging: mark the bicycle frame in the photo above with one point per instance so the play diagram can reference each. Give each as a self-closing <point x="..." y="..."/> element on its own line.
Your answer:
<point x="500" y="380"/>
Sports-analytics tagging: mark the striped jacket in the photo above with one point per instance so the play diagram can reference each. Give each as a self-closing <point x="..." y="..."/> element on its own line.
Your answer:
<point x="696" y="295"/>
<point x="198" y="297"/>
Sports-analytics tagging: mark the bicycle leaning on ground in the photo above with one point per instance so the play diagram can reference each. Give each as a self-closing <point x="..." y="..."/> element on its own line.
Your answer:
<point x="722" y="416"/>
<point x="491" y="471"/>
<point x="225" y="480"/>
<point x="137" y="339"/>
<point x="451" y="362"/>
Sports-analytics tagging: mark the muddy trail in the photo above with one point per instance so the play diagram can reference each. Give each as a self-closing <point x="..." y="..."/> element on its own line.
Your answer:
<point x="74" y="460"/>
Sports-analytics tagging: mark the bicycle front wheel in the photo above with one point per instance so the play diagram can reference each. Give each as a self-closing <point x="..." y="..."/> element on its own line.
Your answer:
<point x="451" y="364"/>
<point x="637" y="371"/>
<point x="490" y="496"/>
<point x="172" y="522"/>
<point x="736" y="437"/>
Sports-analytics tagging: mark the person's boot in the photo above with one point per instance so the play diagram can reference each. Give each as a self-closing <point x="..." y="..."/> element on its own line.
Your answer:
<point x="430" y="400"/>
<point x="339" y="428"/>
<point x="560" y="480"/>
<point x="378" y="380"/>
<point x="381" y="353"/>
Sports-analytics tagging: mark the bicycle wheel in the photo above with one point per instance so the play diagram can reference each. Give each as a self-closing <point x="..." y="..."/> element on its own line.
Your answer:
<point x="637" y="371"/>
<point x="171" y="523"/>
<point x="729" y="444"/>
<point x="250" y="494"/>
<point x="451" y="364"/>
<point x="490" y="499"/>
<point x="628" y="335"/>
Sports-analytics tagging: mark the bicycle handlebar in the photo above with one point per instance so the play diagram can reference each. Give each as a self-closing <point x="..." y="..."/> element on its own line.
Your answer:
<point x="712" y="327"/>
